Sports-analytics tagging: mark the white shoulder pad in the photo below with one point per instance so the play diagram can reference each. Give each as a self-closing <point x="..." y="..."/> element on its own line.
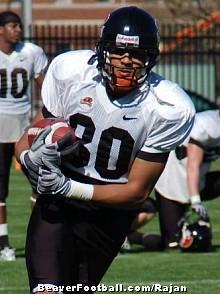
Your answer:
<point x="36" y="56"/>
<point x="206" y="126"/>
<point x="173" y="117"/>
<point x="70" y="64"/>
<point x="65" y="71"/>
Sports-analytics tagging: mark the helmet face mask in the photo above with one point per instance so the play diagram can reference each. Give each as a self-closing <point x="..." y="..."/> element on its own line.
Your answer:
<point x="135" y="74"/>
<point x="131" y="31"/>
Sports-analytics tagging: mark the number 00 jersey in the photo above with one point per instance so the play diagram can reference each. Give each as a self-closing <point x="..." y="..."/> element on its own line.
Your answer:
<point x="145" y="123"/>
<point x="27" y="61"/>
<point x="172" y="184"/>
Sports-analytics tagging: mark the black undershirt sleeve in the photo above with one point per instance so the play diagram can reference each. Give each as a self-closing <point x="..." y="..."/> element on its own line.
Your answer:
<point x="154" y="157"/>
<point x="195" y="142"/>
<point x="46" y="113"/>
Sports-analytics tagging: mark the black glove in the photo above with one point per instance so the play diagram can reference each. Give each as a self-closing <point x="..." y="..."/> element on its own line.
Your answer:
<point x="67" y="148"/>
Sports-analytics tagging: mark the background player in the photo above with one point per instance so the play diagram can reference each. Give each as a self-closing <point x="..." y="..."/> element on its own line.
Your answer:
<point x="19" y="63"/>
<point x="186" y="179"/>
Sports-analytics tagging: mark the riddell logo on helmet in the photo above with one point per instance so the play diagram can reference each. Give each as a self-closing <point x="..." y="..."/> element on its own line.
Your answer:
<point x="123" y="39"/>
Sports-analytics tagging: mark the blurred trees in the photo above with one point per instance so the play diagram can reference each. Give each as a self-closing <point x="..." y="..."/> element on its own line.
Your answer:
<point x="186" y="10"/>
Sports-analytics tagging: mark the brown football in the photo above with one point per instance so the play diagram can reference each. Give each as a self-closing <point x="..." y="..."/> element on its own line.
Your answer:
<point x="59" y="129"/>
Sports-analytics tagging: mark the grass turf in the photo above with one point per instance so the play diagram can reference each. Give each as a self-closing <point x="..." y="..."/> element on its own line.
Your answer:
<point x="199" y="272"/>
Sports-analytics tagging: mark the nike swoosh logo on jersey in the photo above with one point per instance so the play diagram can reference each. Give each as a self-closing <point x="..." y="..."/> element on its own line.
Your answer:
<point x="128" y="118"/>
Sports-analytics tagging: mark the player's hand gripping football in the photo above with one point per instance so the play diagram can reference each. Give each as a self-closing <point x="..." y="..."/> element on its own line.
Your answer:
<point x="51" y="153"/>
<point x="51" y="180"/>
<point x="32" y="158"/>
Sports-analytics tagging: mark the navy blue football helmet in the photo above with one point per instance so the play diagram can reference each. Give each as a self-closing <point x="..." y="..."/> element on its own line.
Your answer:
<point x="133" y="30"/>
<point x="196" y="233"/>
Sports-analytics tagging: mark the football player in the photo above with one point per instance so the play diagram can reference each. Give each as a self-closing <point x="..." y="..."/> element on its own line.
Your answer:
<point x="128" y="119"/>
<point x="186" y="179"/>
<point x="19" y="63"/>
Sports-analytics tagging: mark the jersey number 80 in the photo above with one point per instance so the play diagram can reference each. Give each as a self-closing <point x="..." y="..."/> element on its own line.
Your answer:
<point x="104" y="147"/>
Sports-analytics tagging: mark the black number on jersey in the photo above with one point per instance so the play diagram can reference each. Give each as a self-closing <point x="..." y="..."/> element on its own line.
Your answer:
<point x="16" y="74"/>
<point x="104" y="147"/>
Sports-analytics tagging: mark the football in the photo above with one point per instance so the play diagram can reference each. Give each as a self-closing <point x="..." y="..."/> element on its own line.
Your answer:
<point x="59" y="129"/>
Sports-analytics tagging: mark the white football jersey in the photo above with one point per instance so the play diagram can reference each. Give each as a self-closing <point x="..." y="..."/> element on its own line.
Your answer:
<point x="153" y="119"/>
<point x="172" y="184"/>
<point x="27" y="61"/>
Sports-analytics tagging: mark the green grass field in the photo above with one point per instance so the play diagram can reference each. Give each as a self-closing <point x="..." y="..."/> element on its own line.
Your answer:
<point x="200" y="273"/>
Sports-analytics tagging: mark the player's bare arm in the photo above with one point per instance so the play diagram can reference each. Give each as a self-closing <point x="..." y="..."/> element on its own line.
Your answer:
<point x="195" y="158"/>
<point x="195" y="155"/>
<point x="141" y="180"/>
<point x="39" y="80"/>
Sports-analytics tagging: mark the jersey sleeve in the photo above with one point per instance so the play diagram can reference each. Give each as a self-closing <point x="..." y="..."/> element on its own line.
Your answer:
<point x="199" y="133"/>
<point x="172" y="124"/>
<point x="206" y="127"/>
<point x="52" y="89"/>
<point x="65" y="70"/>
<point x="40" y="61"/>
